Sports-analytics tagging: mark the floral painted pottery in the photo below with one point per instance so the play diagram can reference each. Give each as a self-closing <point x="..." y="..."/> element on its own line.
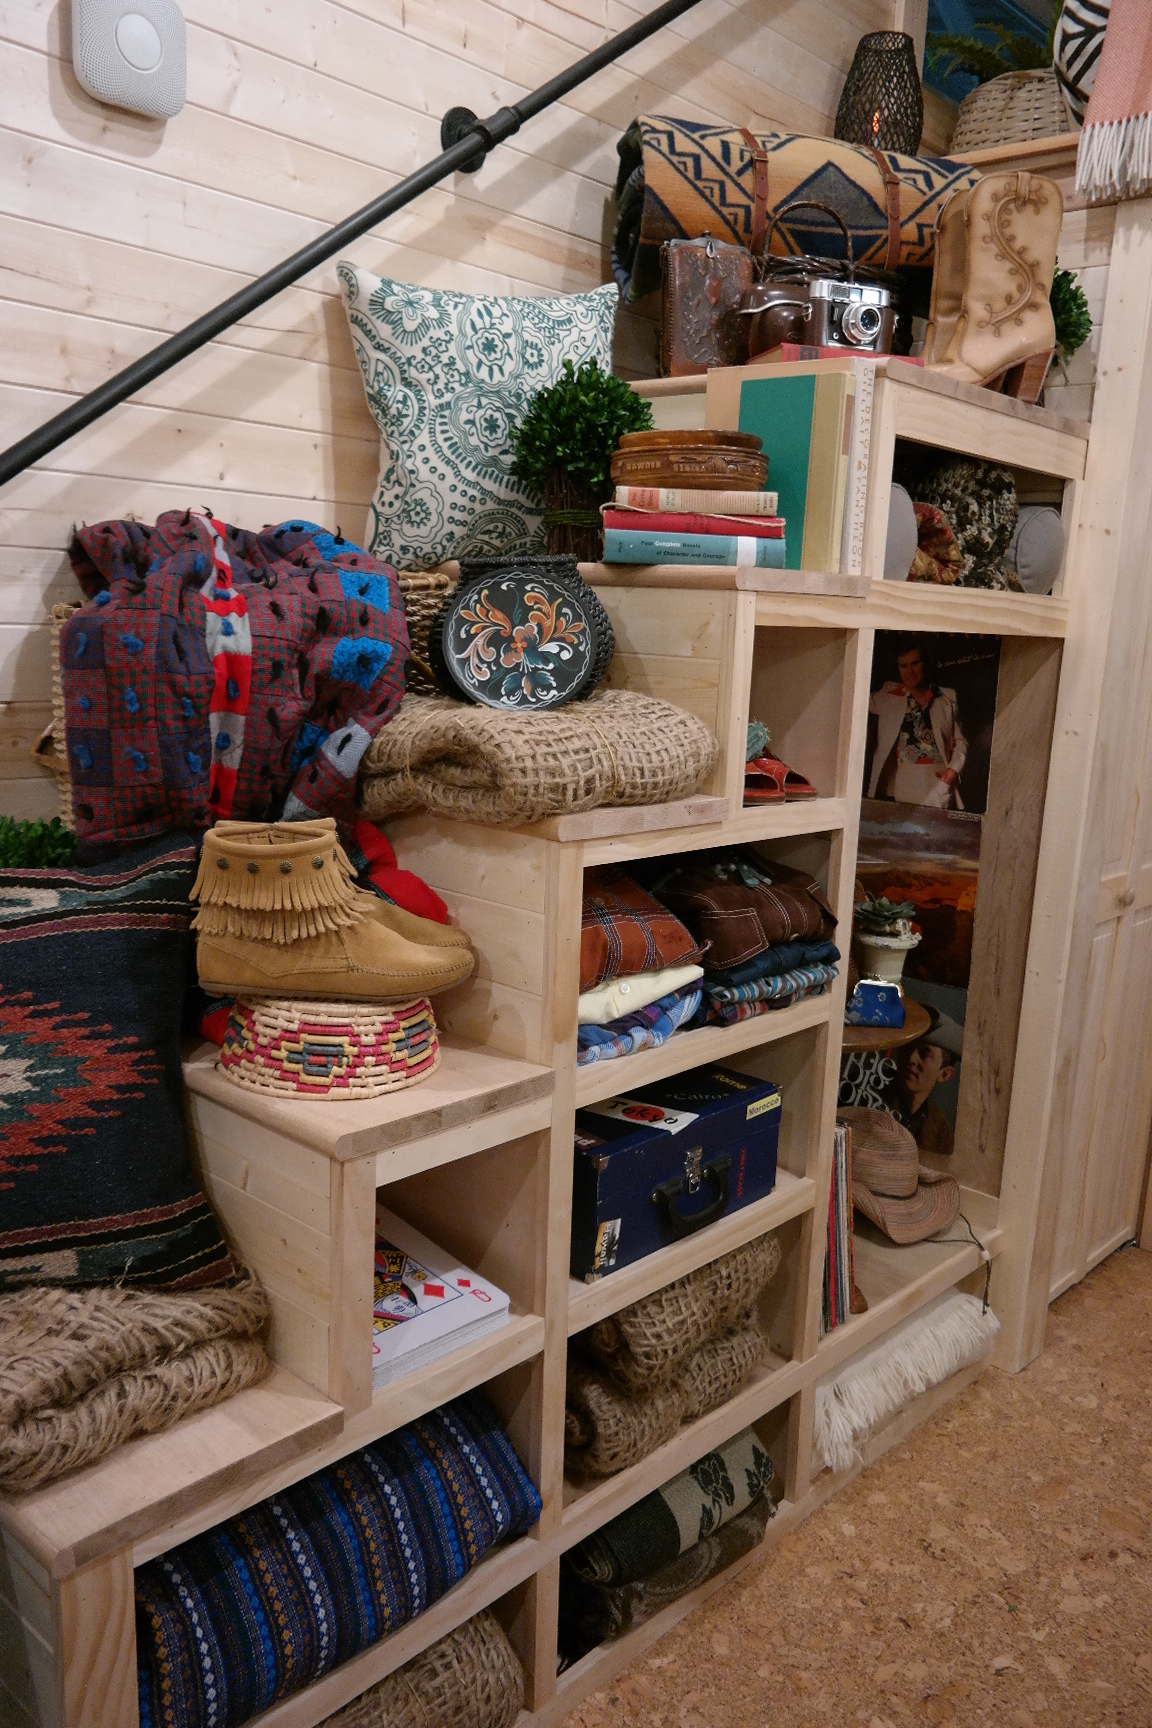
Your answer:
<point x="523" y="635"/>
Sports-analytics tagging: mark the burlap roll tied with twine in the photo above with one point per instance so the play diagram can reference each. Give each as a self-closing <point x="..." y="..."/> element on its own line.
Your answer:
<point x="83" y="1370"/>
<point x="607" y="1430"/>
<point x="485" y="765"/>
<point x="470" y="1679"/>
<point x="643" y="1345"/>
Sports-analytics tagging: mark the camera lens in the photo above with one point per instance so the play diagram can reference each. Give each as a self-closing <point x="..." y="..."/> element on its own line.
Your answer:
<point x="861" y="324"/>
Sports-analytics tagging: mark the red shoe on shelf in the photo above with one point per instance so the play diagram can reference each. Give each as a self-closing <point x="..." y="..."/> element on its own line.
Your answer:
<point x="770" y="781"/>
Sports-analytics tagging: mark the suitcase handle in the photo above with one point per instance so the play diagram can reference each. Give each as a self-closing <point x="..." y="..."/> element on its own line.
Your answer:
<point x="666" y="1194"/>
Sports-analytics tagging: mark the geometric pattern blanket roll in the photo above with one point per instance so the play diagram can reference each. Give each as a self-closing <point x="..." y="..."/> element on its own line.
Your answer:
<point x="679" y="178"/>
<point x="258" y="1607"/>
<point x="96" y="1186"/>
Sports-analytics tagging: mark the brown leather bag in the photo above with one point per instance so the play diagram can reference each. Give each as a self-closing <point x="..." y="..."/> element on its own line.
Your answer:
<point x="741" y="906"/>
<point x="703" y="283"/>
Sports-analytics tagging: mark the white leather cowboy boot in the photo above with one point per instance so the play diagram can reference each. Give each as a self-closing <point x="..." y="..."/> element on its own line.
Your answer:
<point x="948" y="270"/>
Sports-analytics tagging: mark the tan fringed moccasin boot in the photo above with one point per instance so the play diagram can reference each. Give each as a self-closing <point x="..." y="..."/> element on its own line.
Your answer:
<point x="425" y="932"/>
<point x="1004" y="337"/>
<point x="280" y="915"/>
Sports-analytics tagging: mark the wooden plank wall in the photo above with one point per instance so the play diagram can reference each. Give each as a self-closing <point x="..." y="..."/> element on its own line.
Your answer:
<point x="1085" y="246"/>
<point x="116" y="230"/>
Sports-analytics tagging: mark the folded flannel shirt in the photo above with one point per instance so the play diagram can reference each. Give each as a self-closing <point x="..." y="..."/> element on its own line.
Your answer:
<point x="729" y="1003"/>
<point x="781" y="957"/>
<point x="643" y="1029"/>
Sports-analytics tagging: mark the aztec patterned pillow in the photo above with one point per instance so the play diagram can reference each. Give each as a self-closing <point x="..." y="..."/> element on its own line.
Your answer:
<point x="448" y="376"/>
<point x="95" y="1181"/>
<point x="268" y="1601"/>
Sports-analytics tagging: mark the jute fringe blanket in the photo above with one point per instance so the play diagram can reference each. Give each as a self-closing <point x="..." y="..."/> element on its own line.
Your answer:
<point x="470" y="1679"/>
<point x="483" y="765"/>
<point x="83" y="1370"/>
<point x="642" y="1346"/>
<point x="1114" y="159"/>
<point x="607" y="1430"/>
<point x="947" y="1335"/>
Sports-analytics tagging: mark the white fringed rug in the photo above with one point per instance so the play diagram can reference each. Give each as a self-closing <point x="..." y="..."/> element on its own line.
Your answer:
<point x="947" y="1335"/>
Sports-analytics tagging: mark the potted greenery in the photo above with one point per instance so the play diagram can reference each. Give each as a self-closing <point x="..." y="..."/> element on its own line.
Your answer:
<point x="564" y="447"/>
<point x="884" y="936"/>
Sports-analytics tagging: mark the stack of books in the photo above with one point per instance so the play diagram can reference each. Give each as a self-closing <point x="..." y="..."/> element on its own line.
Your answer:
<point x="679" y="525"/>
<point x="424" y="1304"/>
<point x="838" y="1266"/>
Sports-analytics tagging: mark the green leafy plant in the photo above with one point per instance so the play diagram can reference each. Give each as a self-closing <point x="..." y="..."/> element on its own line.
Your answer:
<point x="35" y="845"/>
<point x="1003" y="51"/>
<point x="1070" y="313"/>
<point x="575" y="425"/>
<point x="883" y="917"/>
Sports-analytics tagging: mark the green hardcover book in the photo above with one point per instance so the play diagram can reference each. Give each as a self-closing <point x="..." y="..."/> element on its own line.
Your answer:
<point x="803" y="415"/>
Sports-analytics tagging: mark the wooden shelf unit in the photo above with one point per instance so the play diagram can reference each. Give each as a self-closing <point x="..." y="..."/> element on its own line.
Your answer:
<point x="480" y="1156"/>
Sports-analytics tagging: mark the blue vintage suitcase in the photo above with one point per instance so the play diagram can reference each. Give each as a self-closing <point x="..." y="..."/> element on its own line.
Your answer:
<point x="669" y="1160"/>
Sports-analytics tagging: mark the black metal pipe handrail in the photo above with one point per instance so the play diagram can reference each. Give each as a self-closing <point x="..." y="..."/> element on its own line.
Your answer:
<point x="482" y="136"/>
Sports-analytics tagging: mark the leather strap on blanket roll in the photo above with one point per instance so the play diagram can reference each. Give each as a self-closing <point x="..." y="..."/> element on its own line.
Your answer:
<point x="760" y="206"/>
<point x="892" y="197"/>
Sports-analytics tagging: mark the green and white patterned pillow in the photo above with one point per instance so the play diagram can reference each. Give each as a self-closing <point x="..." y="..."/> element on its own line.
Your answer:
<point x="448" y="376"/>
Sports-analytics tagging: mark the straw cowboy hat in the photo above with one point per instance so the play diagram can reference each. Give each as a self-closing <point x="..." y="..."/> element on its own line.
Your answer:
<point x="890" y="1186"/>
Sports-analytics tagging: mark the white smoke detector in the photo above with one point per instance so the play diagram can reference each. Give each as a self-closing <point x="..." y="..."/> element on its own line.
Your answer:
<point x="132" y="53"/>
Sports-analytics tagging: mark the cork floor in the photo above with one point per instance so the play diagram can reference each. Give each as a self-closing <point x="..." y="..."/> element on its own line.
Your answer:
<point x="993" y="1569"/>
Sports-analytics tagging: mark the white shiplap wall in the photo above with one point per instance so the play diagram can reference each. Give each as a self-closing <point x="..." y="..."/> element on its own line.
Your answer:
<point x="116" y="230"/>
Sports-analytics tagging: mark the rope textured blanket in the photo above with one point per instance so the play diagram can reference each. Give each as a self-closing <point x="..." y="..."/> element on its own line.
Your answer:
<point x="482" y="765"/>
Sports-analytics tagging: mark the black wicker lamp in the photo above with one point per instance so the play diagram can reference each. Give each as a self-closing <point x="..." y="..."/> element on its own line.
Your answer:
<point x="882" y="103"/>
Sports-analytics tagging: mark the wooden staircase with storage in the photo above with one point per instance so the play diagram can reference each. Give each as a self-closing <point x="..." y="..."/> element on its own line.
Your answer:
<point x="480" y="1156"/>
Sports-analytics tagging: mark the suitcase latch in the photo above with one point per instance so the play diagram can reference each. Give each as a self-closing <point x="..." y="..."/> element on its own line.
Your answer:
<point x="692" y="1168"/>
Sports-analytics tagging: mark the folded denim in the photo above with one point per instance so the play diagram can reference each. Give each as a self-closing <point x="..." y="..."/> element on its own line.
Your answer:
<point x="643" y="1029"/>
<point x="782" y="957"/>
<point x="726" y="1005"/>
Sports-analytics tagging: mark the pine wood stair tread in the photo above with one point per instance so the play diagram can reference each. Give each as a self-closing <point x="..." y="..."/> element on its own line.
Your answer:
<point x="472" y="1085"/>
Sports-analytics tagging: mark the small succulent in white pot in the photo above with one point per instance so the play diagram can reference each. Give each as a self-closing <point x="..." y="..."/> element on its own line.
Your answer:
<point x="884" y="937"/>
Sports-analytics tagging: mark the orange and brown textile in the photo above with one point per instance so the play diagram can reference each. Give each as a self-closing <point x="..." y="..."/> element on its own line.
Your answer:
<point x="679" y="179"/>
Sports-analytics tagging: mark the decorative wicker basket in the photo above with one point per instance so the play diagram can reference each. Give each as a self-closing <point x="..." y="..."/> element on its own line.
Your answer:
<point x="1011" y="109"/>
<point x="423" y="592"/>
<point x="333" y="1050"/>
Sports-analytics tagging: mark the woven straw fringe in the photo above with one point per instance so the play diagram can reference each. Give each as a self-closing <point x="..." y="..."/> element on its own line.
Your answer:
<point x="470" y="1679"/>
<point x="423" y="593"/>
<point x="271" y="1046"/>
<point x="642" y="1346"/>
<point x="607" y="1430"/>
<point x="81" y="1371"/>
<point x="268" y="904"/>
<point x="483" y="765"/>
<point x="1114" y="159"/>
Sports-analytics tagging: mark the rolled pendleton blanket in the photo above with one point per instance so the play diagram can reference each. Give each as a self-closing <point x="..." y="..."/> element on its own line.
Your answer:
<point x="83" y="1370"/>
<point x="607" y="1430"/>
<point x="483" y="765"/>
<point x="682" y="178"/>
<point x="643" y="1345"/>
<point x="592" y="1613"/>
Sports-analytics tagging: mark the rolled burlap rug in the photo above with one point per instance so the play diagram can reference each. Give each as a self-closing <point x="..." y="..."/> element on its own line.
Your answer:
<point x="83" y="1370"/>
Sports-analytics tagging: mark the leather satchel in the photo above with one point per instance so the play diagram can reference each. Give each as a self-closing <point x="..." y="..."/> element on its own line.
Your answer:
<point x="740" y="907"/>
<point x="703" y="284"/>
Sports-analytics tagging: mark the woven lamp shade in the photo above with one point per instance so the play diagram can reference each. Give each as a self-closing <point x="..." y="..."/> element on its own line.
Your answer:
<point x="882" y="102"/>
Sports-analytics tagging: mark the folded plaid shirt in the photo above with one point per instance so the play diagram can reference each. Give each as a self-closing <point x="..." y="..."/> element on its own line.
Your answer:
<point x="643" y="1029"/>
<point x="729" y="1003"/>
<point x="624" y="930"/>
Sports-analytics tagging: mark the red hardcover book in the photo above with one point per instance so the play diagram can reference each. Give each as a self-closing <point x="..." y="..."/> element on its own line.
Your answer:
<point x="688" y="522"/>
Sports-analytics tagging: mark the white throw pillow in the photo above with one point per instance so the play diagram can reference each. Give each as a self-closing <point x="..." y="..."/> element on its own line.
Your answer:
<point x="448" y="376"/>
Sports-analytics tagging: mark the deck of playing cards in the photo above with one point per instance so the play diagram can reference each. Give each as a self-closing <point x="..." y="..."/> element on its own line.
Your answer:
<point x="424" y="1305"/>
